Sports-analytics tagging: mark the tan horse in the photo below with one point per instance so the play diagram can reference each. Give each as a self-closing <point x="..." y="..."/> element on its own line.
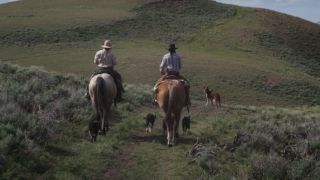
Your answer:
<point x="171" y="98"/>
<point x="102" y="91"/>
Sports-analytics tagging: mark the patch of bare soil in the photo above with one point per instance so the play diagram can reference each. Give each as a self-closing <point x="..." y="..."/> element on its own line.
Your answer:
<point x="121" y="162"/>
<point x="124" y="158"/>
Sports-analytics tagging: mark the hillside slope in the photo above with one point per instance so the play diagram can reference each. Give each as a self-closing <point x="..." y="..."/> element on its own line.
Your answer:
<point x="268" y="57"/>
<point x="44" y="123"/>
<point x="44" y="126"/>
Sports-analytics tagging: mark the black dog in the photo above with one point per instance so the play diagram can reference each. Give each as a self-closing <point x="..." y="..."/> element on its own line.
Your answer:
<point x="93" y="130"/>
<point x="150" y="119"/>
<point x="186" y="124"/>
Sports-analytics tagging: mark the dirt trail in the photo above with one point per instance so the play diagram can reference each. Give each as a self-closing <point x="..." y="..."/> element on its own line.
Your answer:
<point x="121" y="162"/>
<point x="152" y="149"/>
<point x="124" y="158"/>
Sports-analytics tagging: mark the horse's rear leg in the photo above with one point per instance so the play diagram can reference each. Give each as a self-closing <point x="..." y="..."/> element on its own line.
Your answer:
<point x="176" y="126"/>
<point x="100" y="121"/>
<point x="105" y="123"/>
<point x="107" y="115"/>
<point x="164" y="128"/>
<point x="103" y="127"/>
<point x="168" y="129"/>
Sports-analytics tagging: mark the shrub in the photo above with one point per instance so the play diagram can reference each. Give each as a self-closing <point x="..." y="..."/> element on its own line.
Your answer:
<point x="36" y="107"/>
<point x="267" y="167"/>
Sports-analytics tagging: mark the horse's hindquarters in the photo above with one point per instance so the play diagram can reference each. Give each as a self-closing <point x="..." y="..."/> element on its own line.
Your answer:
<point x="102" y="91"/>
<point x="171" y="99"/>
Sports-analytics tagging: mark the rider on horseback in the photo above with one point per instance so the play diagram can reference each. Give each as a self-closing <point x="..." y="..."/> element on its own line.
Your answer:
<point x="106" y="61"/>
<point x="170" y="67"/>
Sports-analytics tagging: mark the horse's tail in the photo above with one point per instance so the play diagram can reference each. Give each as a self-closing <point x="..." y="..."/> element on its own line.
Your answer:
<point x="171" y="100"/>
<point x="100" y="96"/>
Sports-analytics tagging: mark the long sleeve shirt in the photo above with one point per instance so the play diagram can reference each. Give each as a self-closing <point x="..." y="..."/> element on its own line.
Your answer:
<point x="104" y="59"/>
<point x="170" y="62"/>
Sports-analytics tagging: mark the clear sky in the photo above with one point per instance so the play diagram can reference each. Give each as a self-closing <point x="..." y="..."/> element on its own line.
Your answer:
<point x="6" y="1"/>
<point x="306" y="9"/>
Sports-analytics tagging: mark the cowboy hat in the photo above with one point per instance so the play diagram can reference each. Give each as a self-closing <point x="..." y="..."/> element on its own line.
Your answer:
<point x="107" y="44"/>
<point x="172" y="47"/>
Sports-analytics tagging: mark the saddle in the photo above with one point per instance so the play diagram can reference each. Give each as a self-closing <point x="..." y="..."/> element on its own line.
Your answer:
<point x="175" y="77"/>
<point x="169" y="77"/>
<point x="102" y="71"/>
<point x="172" y="77"/>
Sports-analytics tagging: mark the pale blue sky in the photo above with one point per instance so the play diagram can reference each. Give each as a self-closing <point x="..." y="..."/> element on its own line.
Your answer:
<point x="6" y="1"/>
<point x="306" y="9"/>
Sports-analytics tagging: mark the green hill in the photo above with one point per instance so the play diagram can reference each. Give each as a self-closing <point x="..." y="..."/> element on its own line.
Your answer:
<point x="252" y="57"/>
<point x="226" y="47"/>
<point x="44" y="125"/>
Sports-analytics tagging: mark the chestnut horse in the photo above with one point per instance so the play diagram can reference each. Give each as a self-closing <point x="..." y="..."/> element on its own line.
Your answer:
<point x="171" y="98"/>
<point x="102" y="91"/>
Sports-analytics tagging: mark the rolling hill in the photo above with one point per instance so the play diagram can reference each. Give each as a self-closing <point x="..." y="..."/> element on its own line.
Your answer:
<point x="265" y="65"/>
<point x="217" y="43"/>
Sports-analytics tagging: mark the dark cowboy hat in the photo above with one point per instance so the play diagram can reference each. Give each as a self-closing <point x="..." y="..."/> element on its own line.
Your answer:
<point x="172" y="47"/>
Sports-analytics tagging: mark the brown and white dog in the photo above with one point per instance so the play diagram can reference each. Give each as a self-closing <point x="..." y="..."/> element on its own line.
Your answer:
<point x="212" y="97"/>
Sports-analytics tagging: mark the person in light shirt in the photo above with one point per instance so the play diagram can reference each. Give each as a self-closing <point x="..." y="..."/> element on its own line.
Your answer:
<point x="105" y="61"/>
<point x="171" y="66"/>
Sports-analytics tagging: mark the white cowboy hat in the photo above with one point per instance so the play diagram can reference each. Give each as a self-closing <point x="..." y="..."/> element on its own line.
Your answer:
<point x="107" y="44"/>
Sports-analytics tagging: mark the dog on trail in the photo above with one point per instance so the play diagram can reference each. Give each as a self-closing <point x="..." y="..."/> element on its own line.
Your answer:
<point x="213" y="97"/>
<point x="150" y="119"/>
<point x="186" y="124"/>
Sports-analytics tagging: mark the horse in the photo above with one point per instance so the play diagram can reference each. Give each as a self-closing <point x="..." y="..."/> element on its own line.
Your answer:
<point x="171" y="98"/>
<point x="212" y="97"/>
<point x="102" y="91"/>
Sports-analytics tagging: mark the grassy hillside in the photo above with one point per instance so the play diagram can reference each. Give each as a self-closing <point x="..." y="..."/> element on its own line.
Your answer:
<point x="44" y="123"/>
<point x="227" y="47"/>
<point x="54" y="15"/>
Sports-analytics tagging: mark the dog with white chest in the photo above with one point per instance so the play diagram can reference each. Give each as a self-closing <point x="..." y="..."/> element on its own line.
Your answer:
<point x="212" y="96"/>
